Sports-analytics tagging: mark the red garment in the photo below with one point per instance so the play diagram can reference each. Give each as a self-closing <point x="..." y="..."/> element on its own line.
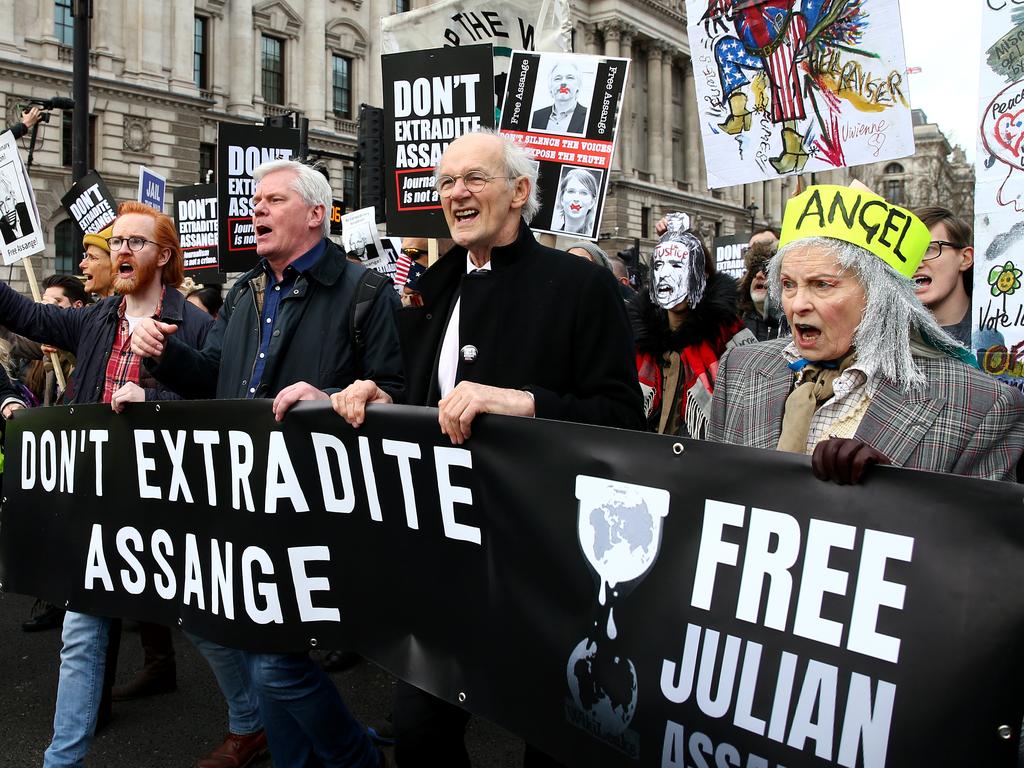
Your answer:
<point x="123" y="365"/>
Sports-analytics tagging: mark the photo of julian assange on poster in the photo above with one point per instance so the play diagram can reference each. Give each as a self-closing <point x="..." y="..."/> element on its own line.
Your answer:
<point x="15" y="219"/>
<point x="558" y="108"/>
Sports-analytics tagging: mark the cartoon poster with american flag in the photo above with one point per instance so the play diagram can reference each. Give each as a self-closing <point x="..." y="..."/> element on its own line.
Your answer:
<point x="798" y="86"/>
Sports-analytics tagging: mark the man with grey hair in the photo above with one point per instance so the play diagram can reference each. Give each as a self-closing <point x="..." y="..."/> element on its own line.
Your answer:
<point x="506" y="326"/>
<point x="300" y="296"/>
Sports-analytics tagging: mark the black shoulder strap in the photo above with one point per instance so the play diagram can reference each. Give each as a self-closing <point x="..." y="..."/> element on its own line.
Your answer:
<point x="370" y="285"/>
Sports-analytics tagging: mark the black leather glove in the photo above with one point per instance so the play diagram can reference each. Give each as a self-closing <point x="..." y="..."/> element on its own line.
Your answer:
<point x="843" y="460"/>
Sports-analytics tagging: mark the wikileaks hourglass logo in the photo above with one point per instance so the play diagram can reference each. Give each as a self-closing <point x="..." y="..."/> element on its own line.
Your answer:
<point x="619" y="528"/>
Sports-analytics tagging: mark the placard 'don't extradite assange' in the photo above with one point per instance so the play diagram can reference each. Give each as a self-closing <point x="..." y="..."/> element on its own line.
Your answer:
<point x="430" y="99"/>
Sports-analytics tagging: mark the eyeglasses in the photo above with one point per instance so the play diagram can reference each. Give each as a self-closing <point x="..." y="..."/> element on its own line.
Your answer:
<point x="475" y="181"/>
<point x="934" y="249"/>
<point x="414" y="253"/>
<point x="135" y="244"/>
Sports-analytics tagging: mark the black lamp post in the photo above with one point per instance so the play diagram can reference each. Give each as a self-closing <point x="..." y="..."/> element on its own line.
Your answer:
<point x="752" y="212"/>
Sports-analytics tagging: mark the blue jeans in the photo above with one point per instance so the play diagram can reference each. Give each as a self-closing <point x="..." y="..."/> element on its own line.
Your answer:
<point x="79" y="688"/>
<point x="231" y="669"/>
<point x="308" y="725"/>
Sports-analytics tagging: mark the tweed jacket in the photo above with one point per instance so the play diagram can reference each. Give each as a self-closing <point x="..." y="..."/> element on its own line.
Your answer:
<point x="962" y="422"/>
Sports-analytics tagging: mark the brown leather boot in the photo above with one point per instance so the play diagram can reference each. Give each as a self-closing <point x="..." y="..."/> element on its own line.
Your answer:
<point x="158" y="673"/>
<point x="237" y="751"/>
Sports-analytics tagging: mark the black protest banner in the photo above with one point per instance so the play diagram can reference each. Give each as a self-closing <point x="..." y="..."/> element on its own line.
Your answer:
<point x="728" y="253"/>
<point x="240" y="149"/>
<point x="90" y="203"/>
<point x="195" y="215"/>
<point x="430" y="99"/>
<point x="564" y="109"/>
<point x="617" y="598"/>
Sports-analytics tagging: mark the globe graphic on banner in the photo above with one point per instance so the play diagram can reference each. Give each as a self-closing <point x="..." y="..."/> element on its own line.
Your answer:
<point x="619" y="528"/>
<point x="605" y="691"/>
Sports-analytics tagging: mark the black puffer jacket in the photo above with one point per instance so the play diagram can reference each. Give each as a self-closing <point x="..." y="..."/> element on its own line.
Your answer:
<point x="717" y="309"/>
<point x="311" y="338"/>
<point x="89" y="333"/>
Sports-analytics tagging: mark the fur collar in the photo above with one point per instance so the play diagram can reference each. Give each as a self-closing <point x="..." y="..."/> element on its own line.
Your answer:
<point x="702" y="323"/>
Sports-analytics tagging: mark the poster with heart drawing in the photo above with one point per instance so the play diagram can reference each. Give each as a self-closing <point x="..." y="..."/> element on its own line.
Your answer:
<point x="998" y="298"/>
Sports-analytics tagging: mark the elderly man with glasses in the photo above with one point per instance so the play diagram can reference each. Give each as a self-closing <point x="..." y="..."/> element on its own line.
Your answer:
<point x="147" y="270"/>
<point x="506" y="326"/>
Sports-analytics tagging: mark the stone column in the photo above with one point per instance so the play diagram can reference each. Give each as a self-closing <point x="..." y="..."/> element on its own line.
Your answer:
<point x="153" y="44"/>
<point x="7" y="23"/>
<point x="45" y="20"/>
<point x="667" y="65"/>
<point x="315" y="65"/>
<point x="109" y="38"/>
<point x="587" y="40"/>
<point x="183" y="17"/>
<point x="243" y="49"/>
<point x="612" y="30"/>
<point x="378" y="10"/>
<point x="694" y="163"/>
<point x="626" y="124"/>
<point x="655" y="119"/>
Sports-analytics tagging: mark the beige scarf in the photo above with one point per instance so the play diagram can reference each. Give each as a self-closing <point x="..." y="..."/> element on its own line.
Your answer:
<point x="813" y="391"/>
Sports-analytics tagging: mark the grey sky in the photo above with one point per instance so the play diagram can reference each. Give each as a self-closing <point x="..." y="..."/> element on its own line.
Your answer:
<point x="943" y="38"/>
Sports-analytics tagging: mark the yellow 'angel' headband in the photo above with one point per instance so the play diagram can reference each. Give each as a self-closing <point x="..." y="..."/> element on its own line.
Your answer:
<point x="893" y="234"/>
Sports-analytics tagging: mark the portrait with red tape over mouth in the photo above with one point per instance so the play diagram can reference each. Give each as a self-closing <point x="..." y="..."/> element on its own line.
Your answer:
<point x="560" y="107"/>
<point x="575" y="209"/>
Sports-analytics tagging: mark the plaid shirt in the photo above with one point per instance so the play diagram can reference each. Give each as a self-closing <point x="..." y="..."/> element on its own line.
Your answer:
<point x="123" y="365"/>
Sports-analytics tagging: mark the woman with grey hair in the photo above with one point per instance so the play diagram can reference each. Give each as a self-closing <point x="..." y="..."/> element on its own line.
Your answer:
<point x="868" y="376"/>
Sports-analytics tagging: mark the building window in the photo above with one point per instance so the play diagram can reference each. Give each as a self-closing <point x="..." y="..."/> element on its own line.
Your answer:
<point x="894" y="191"/>
<point x="342" y="80"/>
<point x="207" y="163"/>
<point x="201" y="54"/>
<point x="273" y="70"/>
<point x="66" y="140"/>
<point x="348" y="188"/>
<point x="68" y="245"/>
<point x="63" y="22"/>
<point x="894" y="168"/>
<point x="401" y="6"/>
<point x="645" y="222"/>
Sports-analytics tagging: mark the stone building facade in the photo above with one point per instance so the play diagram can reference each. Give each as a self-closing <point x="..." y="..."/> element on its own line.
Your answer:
<point x="164" y="74"/>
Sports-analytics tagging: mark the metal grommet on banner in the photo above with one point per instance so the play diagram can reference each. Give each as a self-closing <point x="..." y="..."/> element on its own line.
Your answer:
<point x="179" y="622"/>
<point x="1" y="586"/>
<point x="312" y="642"/>
<point x="677" y="448"/>
<point x="71" y="411"/>
<point x="67" y="603"/>
<point x="1005" y="732"/>
<point x="462" y="697"/>
<point x="158" y="408"/>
